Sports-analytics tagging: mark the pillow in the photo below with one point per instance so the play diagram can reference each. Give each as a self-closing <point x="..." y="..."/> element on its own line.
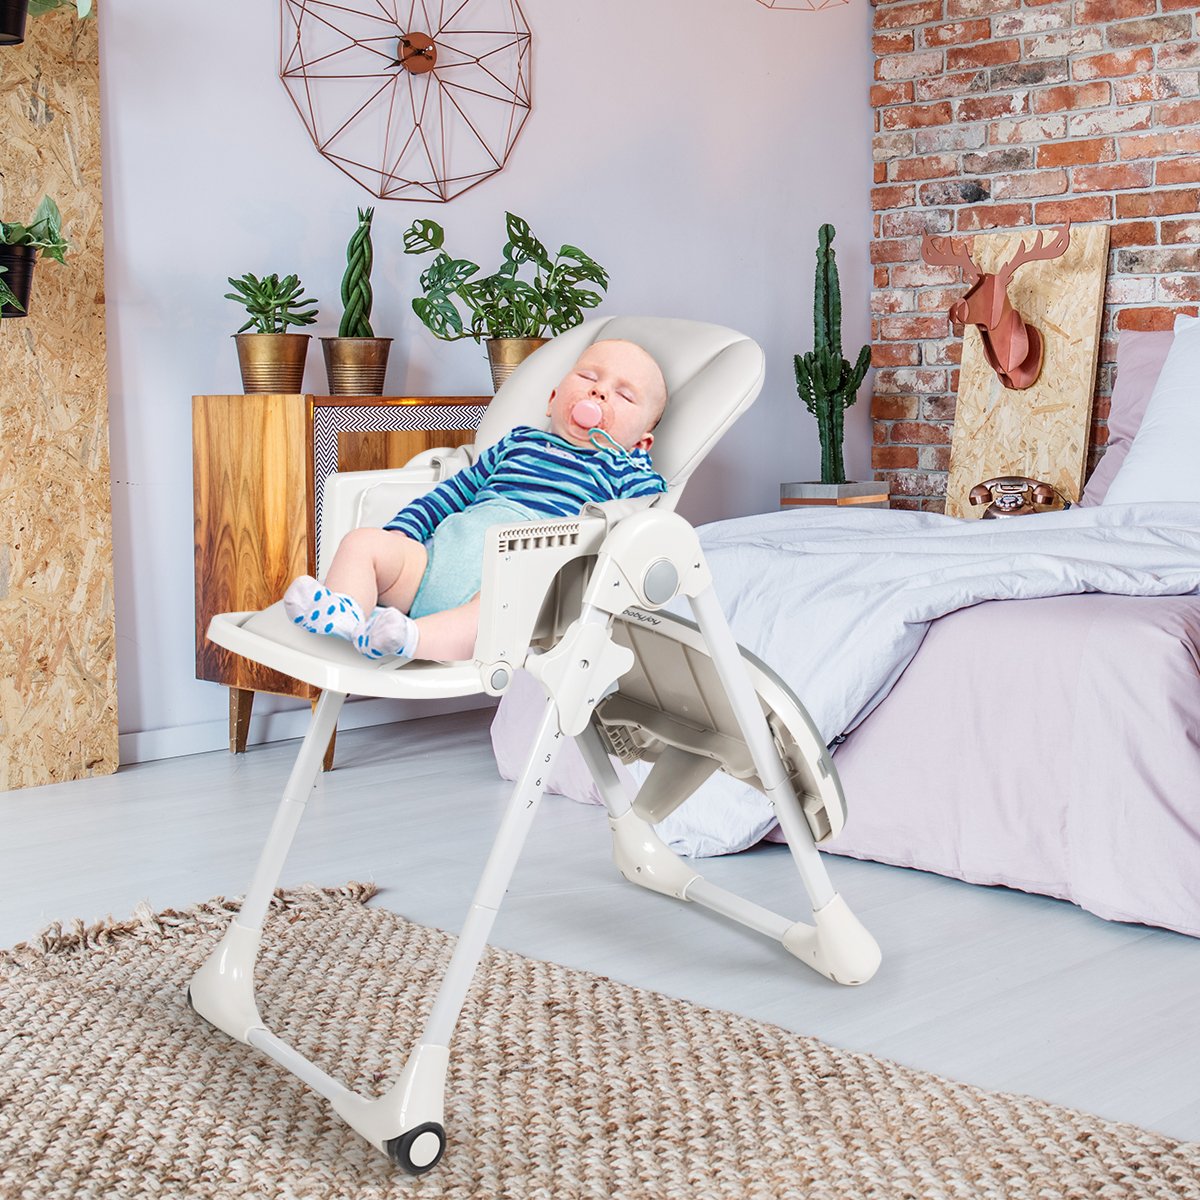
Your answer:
<point x="1140" y="358"/>
<point x="1164" y="461"/>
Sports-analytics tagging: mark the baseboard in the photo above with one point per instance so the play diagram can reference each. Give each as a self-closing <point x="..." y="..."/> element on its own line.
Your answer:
<point x="147" y="745"/>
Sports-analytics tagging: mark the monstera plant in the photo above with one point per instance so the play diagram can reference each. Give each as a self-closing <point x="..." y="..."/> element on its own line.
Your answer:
<point x="514" y="314"/>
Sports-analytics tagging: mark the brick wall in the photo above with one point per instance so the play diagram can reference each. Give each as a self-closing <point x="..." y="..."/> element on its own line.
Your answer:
<point x="998" y="114"/>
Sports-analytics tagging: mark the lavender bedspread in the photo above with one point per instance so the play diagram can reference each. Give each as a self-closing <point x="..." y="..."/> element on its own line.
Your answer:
<point x="1050" y="745"/>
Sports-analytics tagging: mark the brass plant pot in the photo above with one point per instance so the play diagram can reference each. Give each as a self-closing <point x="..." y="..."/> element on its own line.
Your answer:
<point x="356" y="366"/>
<point x="272" y="363"/>
<point x="506" y="354"/>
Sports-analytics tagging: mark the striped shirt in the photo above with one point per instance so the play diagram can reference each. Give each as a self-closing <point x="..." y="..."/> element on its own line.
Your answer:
<point x="538" y="469"/>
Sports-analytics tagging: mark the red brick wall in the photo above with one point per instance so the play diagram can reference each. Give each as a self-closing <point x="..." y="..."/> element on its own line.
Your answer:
<point x="997" y="114"/>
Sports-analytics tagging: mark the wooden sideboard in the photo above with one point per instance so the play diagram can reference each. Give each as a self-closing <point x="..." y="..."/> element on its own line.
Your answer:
<point x="259" y="465"/>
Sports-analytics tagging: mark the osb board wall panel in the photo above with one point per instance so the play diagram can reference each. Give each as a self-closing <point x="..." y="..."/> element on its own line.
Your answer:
<point x="58" y="704"/>
<point x="1041" y="431"/>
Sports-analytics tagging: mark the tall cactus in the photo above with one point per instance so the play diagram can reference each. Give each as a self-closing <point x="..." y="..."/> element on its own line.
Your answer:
<point x="356" y="283"/>
<point x="827" y="383"/>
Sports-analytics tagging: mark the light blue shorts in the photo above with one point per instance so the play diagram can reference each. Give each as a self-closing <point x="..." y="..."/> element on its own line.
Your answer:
<point x="454" y="571"/>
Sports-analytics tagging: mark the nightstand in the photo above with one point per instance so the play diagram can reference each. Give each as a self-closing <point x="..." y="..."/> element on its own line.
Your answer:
<point x="259" y="467"/>
<point x="872" y="494"/>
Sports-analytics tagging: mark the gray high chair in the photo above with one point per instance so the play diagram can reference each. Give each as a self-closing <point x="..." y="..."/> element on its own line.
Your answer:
<point x="578" y="603"/>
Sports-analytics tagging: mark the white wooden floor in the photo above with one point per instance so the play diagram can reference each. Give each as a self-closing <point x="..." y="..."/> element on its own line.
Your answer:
<point x="986" y="985"/>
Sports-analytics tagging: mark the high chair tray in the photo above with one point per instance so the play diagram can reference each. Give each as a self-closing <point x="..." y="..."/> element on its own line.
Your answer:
<point x="332" y="664"/>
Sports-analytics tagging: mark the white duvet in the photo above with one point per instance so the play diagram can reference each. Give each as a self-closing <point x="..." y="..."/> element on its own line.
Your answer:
<point x="837" y="603"/>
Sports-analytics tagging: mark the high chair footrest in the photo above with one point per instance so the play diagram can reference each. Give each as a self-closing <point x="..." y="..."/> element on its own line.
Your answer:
<point x="332" y="664"/>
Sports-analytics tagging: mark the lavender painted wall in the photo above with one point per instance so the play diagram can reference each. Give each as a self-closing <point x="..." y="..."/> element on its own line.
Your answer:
<point x="699" y="185"/>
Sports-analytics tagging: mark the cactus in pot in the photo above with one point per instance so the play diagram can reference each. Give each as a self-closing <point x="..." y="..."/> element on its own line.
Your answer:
<point x="825" y="380"/>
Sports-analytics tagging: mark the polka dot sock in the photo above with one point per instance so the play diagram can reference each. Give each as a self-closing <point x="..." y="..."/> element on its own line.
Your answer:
<point x="312" y="606"/>
<point x="388" y="632"/>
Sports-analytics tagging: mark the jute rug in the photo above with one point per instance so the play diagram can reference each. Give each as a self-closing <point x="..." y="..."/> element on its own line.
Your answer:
<point x="562" y="1085"/>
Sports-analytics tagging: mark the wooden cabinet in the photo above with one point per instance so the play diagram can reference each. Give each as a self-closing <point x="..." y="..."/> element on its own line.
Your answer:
<point x="259" y="465"/>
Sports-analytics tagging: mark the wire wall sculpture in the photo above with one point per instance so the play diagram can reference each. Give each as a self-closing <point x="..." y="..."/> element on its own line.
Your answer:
<point x="415" y="100"/>
<point x="804" y="5"/>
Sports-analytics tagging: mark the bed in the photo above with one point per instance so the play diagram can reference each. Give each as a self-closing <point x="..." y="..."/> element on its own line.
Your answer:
<point x="1014" y="703"/>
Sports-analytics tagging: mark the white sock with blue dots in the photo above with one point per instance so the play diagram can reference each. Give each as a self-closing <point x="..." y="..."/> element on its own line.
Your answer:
<point x="312" y="606"/>
<point x="388" y="632"/>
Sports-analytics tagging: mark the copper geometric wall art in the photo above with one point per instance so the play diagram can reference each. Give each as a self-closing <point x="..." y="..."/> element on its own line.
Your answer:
<point x="413" y="99"/>
<point x="803" y="5"/>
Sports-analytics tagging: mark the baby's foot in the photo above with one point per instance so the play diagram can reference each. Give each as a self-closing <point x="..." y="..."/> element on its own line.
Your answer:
<point x="388" y="632"/>
<point x="312" y="606"/>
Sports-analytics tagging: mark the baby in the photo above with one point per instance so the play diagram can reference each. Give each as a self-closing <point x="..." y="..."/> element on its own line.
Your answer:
<point x="412" y="588"/>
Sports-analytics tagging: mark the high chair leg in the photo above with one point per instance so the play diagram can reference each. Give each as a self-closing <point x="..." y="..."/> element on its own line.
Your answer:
<point x="406" y="1122"/>
<point x="222" y="991"/>
<point x="836" y="945"/>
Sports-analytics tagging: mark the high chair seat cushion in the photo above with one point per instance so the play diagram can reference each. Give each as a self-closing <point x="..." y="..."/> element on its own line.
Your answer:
<point x="712" y="374"/>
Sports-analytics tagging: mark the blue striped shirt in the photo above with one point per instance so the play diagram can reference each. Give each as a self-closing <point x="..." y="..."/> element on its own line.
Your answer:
<point x="541" y="470"/>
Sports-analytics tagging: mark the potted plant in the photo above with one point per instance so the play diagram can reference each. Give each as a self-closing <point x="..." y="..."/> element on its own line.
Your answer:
<point x="828" y="384"/>
<point x="19" y="248"/>
<point x="271" y="359"/>
<point x="14" y="12"/>
<point x="356" y="360"/>
<point x="513" y="314"/>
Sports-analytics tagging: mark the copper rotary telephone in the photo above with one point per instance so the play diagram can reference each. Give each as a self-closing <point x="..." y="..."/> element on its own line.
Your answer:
<point x="1014" y="496"/>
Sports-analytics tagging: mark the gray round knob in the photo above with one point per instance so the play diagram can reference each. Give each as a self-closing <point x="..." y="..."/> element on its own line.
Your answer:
<point x="499" y="679"/>
<point x="661" y="581"/>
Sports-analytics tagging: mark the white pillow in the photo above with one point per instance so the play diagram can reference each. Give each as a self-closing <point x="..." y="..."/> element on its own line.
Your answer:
<point x="1164" y="461"/>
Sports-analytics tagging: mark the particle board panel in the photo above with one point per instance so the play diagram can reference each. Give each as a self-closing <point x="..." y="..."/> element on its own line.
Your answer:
<point x="58" y="686"/>
<point x="1041" y="431"/>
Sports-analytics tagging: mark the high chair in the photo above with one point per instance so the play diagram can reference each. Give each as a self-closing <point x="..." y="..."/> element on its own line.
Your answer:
<point x="577" y="602"/>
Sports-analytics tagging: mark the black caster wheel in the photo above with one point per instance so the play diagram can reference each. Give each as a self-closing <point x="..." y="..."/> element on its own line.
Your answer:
<point x="419" y="1150"/>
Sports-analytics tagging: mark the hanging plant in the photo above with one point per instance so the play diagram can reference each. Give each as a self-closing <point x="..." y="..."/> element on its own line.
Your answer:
<point x="38" y="7"/>
<point x="20" y="245"/>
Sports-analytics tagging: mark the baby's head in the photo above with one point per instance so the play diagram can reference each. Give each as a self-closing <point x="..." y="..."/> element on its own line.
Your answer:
<point x="615" y="386"/>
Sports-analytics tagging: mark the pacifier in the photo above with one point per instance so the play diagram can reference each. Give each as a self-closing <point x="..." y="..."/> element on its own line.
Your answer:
<point x="587" y="414"/>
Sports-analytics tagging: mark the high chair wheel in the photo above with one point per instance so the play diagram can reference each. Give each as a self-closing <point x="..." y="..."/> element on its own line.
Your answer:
<point x="420" y="1149"/>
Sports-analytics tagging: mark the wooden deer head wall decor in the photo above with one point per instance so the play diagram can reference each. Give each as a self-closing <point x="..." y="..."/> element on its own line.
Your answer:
<point x="1012" y="346"/>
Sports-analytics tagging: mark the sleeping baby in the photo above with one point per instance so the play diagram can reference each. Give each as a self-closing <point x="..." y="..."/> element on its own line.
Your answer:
<point x="411" y="589"/>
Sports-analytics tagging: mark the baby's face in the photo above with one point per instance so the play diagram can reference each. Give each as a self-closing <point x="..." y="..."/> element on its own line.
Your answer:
<point x="615" y="386"/>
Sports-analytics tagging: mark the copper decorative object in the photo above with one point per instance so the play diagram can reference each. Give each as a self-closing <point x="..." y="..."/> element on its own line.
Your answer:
<point x="414" y="101"/>
<point x="804" y="6"/>
<point x="1011" y="345"/>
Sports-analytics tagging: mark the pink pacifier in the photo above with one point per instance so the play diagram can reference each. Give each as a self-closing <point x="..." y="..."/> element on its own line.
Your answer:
<point x="587" y="414"/>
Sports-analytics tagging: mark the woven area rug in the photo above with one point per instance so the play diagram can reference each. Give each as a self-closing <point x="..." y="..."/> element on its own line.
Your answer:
<point x="562" y="1084"/>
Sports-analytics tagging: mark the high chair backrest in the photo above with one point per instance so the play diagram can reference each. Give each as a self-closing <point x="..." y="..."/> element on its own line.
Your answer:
<point x="712" y="375"/>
